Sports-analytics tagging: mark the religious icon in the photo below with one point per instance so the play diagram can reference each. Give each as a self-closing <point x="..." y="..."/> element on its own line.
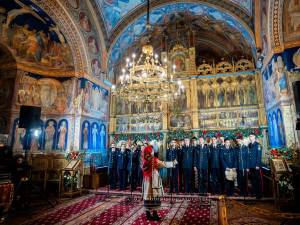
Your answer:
<point x="96" y="67"/>
<point x="241" y="96"/>
<point x="85" y="136"/>
<point x="84" y="22"/>
<point x="94" y="135"/>
<point x="49" y="134"/>
<point x="34" y="144"/>
<point x="48" y="92"/>
<point x="19" y="135"/>
<point x="278" y="165"/>
<point x="211" y="97"/>
<point x="102" y="137"/>
<point x="201" y="99"/>
<point x="93" y="46"/>
<point x="252" y="95"/>
<point x="221" y="97"/>
<point x="179" y="62"/>
<point x="62" y="136"/>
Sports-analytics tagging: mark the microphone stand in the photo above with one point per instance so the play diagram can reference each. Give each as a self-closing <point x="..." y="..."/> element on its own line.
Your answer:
<point x="108" y="186"/>
<point x="171" y="200"/>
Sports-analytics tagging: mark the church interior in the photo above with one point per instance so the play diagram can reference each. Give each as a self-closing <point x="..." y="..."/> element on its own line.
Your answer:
<point x="150" y="112"/>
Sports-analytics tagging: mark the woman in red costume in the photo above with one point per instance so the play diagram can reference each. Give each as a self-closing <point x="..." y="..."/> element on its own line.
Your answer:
<point x="152" y="183"/>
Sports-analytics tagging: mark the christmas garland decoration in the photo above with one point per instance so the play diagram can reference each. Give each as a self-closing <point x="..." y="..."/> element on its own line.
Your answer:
<point x="181" y="134"/>
<point x="139" y="137"/>
<point x="232" y="134"/>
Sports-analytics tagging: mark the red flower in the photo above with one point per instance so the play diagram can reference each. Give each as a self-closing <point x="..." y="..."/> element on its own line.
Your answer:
<point x="274" y="152"/>
<point x="256" y="131"/>
<point x="204" y="132"/>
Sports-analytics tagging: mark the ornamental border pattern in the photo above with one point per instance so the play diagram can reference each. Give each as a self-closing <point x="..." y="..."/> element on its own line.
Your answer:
<point x="276" y="10"/>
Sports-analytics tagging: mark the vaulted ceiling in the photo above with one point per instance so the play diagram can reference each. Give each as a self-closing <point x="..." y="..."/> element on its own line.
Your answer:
<point x="222" y="27"/>
<point x="116" y="11"/>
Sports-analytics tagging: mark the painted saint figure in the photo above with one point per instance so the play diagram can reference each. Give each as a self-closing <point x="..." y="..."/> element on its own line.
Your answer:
<point x="241" y="96"/>
<point x="95" y="134"/>
<point x="252" y="95"/>
<point x="102" y="137"/>
<point x="211" y="97"/>
<point x="49" y="134"/>
<point x="221" y="97"/>
<point x="19" y="135"/>
<point x="62" y="136"/>
<point x="34" y="144"/>
<point x="201" y="99"/>
<point x="85" y="136"/>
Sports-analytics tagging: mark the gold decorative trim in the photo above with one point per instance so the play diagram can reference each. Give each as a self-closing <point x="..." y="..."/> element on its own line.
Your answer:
<point x="276" y="26"/>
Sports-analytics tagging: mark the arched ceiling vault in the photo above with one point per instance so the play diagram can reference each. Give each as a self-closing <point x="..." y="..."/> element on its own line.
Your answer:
<point x="227" y="19"/>
<point x="115" y="15"/>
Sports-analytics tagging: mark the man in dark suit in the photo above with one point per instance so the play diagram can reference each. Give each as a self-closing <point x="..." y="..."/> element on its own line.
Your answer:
<point x="135" y="166"/>
<point x="228" y="159"/>
<point x="122" y="166"/>
<point x="201" y="156"/>
<point x="112" y="166"/>
<point x="180" y="169"/>
<point x="187" y="164"/>
<point x="255" y="154"/>
<point x="215" y="165"/>
<point x="173" y="173"/>
<point x="242" y="163"/>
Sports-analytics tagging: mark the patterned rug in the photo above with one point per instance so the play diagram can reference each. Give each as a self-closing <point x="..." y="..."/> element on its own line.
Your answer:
<point x="98" y="209"/>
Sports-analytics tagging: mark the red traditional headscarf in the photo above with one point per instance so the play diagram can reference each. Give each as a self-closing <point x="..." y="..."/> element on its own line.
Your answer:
<point x="149" y="162"/>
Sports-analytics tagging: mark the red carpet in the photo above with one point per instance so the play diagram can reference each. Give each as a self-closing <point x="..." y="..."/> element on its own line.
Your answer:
<point x="118" y="210"/>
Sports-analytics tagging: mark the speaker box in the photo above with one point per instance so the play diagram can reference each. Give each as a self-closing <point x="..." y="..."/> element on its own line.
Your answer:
<point x="29" y="117"/>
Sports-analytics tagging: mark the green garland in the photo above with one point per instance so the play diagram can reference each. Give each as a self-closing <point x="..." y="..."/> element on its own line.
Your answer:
<point x="181" y="134"/>
<point x="232" y="134"/>
<point x="139" y="137"/>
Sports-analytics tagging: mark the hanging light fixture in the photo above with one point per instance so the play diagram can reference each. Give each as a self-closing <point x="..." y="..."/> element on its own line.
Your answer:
<point x="146" y="78"/>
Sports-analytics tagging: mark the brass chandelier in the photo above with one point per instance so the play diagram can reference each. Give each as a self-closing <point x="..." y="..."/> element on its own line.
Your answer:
<point x="146" y="78"/>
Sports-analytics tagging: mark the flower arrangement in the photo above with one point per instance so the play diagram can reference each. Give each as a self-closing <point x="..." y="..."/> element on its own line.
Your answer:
<point x="284" y="152"/>
<point x="76" y="155"/>
<point x="286" y="188"/>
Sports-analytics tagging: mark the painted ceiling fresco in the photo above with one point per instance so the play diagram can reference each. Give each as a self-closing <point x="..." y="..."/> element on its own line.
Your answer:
<point x="157" y="16"/>
<point x="114" y="10"/>
<point x="244" y="4"/>
<point x="33" y="37"/>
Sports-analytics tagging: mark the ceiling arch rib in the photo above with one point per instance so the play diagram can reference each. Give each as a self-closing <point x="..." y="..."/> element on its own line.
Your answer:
<point x="136" y="28"/>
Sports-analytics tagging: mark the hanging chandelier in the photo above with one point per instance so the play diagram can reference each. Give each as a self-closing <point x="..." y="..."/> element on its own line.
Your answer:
<point x="146" y="78"/>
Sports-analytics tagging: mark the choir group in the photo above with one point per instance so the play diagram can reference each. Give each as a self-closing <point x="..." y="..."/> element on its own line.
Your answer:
<point x="205" y="165"/>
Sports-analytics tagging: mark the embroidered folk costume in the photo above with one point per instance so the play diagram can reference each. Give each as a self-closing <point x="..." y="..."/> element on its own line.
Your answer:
<point x="152" y="182"/>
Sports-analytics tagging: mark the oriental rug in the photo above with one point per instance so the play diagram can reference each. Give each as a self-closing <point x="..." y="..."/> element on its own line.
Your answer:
<point x="100" y="209"/>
